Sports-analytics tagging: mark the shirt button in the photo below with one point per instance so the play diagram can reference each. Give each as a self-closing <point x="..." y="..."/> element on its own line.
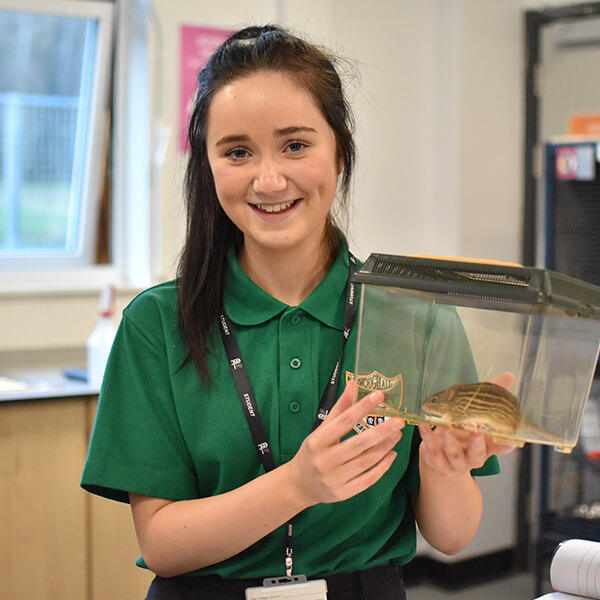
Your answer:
<point x="295" y="320"/>
<point x="294" y="407"/>
<point x="295" y="363"/>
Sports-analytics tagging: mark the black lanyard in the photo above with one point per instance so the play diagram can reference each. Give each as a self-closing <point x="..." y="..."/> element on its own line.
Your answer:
<point x="248" y="401"/>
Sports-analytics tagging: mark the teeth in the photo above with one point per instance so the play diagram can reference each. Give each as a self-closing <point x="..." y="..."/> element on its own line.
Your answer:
<point x="275" y="208"/>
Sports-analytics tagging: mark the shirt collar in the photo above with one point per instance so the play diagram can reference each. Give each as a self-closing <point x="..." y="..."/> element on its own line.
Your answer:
<point x="248" y="304"/>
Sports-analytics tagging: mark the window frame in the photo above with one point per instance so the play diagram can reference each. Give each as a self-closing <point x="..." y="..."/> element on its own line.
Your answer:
<point x="136" y="258"/>
<point x="33" y="265"/>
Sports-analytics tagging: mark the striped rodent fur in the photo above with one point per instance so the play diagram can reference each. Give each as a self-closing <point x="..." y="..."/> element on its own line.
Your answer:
<point x="481" y="406"/>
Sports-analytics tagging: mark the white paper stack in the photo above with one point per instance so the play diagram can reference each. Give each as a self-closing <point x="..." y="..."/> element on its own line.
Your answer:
<point x="575" y="571"/>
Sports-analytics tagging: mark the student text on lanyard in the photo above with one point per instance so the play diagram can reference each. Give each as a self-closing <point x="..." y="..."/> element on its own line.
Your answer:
<point x="242" y="383"/>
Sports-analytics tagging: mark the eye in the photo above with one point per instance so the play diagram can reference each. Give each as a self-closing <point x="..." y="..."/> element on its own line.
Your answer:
<point x="433" y="399"/>
<point x="296" y="146"/>
<point x="237" y="154"/>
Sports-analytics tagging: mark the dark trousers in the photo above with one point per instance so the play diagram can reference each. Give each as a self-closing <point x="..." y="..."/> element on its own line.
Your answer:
<point x="378" y="583"/>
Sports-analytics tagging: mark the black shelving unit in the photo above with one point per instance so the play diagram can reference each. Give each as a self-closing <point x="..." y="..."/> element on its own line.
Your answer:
<point x="570" y="483"/>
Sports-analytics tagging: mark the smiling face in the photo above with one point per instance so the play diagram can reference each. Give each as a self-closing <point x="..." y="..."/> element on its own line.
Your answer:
<point x="274" y="160"/>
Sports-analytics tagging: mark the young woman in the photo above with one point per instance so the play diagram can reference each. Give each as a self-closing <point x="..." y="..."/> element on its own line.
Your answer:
<point x="206" y="422"/>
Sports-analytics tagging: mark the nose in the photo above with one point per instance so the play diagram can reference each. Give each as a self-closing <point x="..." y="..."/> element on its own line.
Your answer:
<point x="269" y="178"/>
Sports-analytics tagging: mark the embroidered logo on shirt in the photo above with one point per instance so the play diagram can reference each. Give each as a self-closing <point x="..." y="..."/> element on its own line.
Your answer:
<point x="376" y="382"/>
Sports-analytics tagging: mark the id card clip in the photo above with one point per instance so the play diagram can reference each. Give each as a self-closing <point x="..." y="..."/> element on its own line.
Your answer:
<point x="296" y="587"/>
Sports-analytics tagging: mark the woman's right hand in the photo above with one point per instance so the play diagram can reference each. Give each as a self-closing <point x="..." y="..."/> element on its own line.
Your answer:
<point x="329" y="469"/>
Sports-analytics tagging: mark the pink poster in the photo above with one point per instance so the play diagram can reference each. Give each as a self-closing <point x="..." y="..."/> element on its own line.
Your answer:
<point x="197" y="44"/>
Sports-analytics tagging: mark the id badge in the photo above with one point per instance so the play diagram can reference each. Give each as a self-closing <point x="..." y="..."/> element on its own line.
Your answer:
<point x="285" y="588"/>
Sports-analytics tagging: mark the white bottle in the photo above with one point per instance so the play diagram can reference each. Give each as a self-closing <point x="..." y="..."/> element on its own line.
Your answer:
<point x="100" y="341"/>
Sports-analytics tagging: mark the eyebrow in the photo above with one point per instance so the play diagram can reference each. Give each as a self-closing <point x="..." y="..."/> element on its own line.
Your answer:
<point x="234" y="139"/>
<point x="295" y="129"/>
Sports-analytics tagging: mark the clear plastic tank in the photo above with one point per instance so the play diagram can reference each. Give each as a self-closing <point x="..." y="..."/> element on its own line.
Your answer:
<point x="508" y="351"/>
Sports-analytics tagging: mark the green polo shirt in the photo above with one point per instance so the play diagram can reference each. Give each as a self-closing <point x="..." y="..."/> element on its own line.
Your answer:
<point x="160" y="431"/>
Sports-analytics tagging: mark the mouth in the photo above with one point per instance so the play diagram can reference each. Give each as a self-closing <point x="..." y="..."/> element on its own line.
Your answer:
<point x="434" y="415"/>
<point x="274" y="208"/>
<point x="431" y="411"/>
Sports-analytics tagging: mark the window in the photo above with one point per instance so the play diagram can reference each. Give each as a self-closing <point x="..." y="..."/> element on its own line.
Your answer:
<point x="54" y="76"/>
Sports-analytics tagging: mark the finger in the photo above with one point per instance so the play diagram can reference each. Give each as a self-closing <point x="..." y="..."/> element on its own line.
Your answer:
<point x="477" y="451"/>
<point x="454" y="451"/>
<point x="499" y="449"/>
<point x="357" y="461"/>
<point x="425" y="431"/>
<point x="343" y="422"/>
<point x="432" y="450"/>
<point x="366" y="479"/>
<point x="381" y="437"/>
<point x="435" y="459"/>
<point x="505" y="380"/>
<point x="431" y="438"/>
<point x="345" y="401"/>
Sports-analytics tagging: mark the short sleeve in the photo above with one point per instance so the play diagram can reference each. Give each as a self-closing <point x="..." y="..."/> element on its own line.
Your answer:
<point x="136" y="443"/>
<point x="490" y="467"/>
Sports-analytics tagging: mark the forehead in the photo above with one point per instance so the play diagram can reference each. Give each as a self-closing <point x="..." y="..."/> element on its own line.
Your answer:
<point x="267" y="96"/>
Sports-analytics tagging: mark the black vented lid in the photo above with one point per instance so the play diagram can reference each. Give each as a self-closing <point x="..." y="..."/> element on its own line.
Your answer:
<point x="483" y="285"/>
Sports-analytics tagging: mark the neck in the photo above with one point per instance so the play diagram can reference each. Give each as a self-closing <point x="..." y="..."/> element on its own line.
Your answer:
<point x="288" y="275"/>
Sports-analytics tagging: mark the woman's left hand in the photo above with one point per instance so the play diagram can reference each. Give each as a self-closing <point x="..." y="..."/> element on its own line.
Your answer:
<point x="451" y="451"/>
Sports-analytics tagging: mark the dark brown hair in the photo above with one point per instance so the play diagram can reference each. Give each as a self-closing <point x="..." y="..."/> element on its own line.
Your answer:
<point x="210" y="234"/>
